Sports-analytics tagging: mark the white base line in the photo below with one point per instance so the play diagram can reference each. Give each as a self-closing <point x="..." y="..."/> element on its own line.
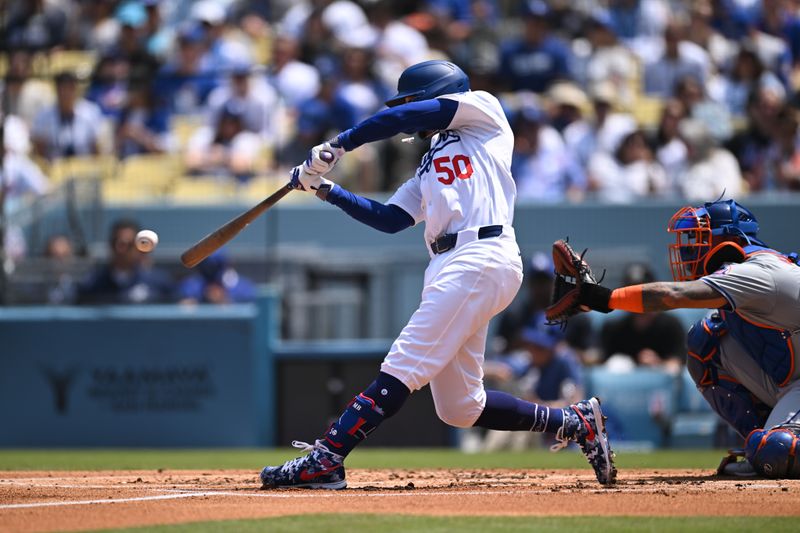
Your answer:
<point x="316" y="494"/>
<point x="289" y="494"/>
<point x="117" y="500"/>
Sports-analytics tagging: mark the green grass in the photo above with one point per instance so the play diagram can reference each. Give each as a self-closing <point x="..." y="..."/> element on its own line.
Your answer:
<point x="488" y="524"/>
<point x="120" y="459"/>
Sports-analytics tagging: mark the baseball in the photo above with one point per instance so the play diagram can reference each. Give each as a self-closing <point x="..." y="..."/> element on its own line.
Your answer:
<point x="146" y="240"/>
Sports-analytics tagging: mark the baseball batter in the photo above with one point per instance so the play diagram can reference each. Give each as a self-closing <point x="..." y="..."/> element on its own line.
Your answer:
<point x="464" y="193"/>
<point x="742" y="355"/>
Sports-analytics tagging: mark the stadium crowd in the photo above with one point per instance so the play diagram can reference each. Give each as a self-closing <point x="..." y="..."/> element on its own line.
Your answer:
<point x="613" y="100"/>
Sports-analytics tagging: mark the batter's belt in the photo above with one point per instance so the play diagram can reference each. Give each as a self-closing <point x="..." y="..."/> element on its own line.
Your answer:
<point x="448" y="241"/>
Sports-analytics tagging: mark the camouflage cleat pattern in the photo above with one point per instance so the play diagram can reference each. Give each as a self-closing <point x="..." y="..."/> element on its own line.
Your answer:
<point x="319" y="469"/>
<point x="586" y="426"/>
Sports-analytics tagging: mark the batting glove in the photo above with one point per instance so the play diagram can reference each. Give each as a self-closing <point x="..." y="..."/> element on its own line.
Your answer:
<point x="303" y="181"/>
<point x="320" y="163"/>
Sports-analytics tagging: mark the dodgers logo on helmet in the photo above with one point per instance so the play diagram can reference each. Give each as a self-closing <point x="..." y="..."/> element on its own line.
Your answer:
<point x="429" y="79"/>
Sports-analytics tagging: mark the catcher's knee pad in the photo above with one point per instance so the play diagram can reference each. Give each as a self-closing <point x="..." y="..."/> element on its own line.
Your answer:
<point x="703" y="342"/>
<point x="726" y="396"/>
<point x="773" y="452"/>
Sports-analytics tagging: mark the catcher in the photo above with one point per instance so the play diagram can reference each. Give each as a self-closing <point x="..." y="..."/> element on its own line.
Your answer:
<point x="742" y="355"/>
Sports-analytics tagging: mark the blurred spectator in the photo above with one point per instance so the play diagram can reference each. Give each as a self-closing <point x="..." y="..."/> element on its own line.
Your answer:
<point x="131" y="40"/>
<point x="530" y="304"/>
<point x="93" y="26"/>
<point x="702" y="32"/>
<point x="23" y="95"/>
<point x="109" y="85"/>
<point x="648" y="339"/>
<point x="20" y="176"/>
<point x="61" y="289"/>
<point x="783" y="157"/>
<point x="537" y="59"/>
<point x="359" y="94"/>
<point x="631" y="173"/>
<point x="157" y="38"/>
<point x="294" y="80"/>
<point x="569" y="104"/>
<point x="216" y="282"/>
<point x="670" y="151"/>
<point x="222" y="53"/>
<point x="542" y="167"/>
<point x="714" y="115"/>
<point x="637" y="20"/>
<point x="746" y="75"/>
<point x="554" y="376"/>
<point x="680" y="58"/>
<point x="609" y="61"/>
<point x="142" y="128"/>
<point x="752" y="145"/>
<point x="225" y="149"/>
<point x="16" y="137"/>
<point x="254" y="95"/>
<point x="315" y="124"/>
<point x="184" y="83"/>
<point x="20" y="180"/>
<point x="779" y="18"/>
<point x="603" y="134"/>
<point x="35" y="25"/>
<point x="69" y="128"/>
<point x="711" y="171"/>
<point x="398" y="45"/>
<point x="127" y="278"/>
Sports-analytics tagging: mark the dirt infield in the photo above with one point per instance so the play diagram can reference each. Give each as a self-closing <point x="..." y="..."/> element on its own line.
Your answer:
<point x="69" y="501"/>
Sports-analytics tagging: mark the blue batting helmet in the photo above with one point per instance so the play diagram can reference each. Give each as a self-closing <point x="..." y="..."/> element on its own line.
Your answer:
<point x="429" y="79"/>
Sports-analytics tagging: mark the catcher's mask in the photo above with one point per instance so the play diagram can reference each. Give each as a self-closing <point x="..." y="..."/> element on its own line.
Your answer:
<point x="693" y="228"/>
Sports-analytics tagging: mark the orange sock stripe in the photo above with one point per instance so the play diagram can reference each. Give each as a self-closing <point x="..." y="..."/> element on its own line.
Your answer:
<point x="627" y="299"/>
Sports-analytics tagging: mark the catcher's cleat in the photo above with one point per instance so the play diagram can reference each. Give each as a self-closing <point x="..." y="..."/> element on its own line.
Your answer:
<point x="319" y="469"/>
<point x="587" y="428"/>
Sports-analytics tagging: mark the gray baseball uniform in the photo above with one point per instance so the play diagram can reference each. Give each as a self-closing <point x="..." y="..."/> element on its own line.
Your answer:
<point x="764" y="290"/>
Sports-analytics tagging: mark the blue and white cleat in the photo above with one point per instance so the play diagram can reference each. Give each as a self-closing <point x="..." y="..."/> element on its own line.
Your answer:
<point x="319" y="469"/>
<point x="589" y="431"/>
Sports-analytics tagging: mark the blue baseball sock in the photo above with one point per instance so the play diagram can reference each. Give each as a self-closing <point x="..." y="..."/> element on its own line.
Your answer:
<point x="507" y="413"/>
<point x="382" y="399"/>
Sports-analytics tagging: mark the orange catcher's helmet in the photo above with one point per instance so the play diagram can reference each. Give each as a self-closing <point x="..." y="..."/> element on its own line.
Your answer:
<point x="692" y="229"/>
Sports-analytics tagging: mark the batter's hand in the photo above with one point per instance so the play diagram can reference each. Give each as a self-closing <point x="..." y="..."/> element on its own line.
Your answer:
<point x="323" y="157"/>
<point x="303" y="181"/>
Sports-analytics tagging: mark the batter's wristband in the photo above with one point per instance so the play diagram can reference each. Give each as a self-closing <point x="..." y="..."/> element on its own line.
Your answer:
<point x="596" y="297"/>
<point x="323" y="190"/>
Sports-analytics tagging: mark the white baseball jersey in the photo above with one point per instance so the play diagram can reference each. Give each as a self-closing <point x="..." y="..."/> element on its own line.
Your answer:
<point x="463" y="183"/>
<point x="464" y="180"/>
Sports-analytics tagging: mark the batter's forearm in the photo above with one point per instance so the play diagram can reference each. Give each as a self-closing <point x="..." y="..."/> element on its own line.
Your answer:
<point x="431" y="115"/>
<point x="386" y="218"/>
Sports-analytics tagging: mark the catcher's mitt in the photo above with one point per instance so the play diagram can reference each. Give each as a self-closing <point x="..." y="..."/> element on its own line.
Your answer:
<point x="575" y="289"/>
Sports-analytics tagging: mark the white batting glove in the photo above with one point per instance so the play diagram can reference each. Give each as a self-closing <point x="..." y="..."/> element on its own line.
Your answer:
<point x="319" y="162"/>
<point x="303" y="181"/>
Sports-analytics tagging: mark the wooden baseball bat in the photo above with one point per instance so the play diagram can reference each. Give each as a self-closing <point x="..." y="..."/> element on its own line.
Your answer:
<point x="214" y="240"/>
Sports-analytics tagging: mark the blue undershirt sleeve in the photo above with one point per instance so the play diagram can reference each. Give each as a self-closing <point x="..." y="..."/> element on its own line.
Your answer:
<point x="386" y="218"/>
<point x="425" y="115"/>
